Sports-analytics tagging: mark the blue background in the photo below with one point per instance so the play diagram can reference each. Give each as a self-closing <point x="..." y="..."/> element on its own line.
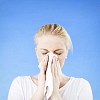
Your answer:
<point x="20" y="19"/>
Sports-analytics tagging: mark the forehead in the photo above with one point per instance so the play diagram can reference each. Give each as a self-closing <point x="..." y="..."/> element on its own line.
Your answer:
<point x="50" y="42"/>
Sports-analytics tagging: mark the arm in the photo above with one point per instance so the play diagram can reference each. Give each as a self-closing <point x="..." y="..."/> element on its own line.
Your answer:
<point x="55" y="97"/>
<point x="39" y="94"/>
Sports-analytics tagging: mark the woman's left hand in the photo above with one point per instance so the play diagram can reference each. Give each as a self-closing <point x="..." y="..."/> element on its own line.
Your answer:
<point x="56" y="80"/>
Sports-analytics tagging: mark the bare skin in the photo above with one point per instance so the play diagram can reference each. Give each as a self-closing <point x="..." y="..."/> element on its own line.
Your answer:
<point x="46" y="44"/>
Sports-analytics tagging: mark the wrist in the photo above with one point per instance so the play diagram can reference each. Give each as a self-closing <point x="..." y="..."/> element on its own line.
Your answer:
<point x="55" y="96"/>
<point x="38" y="95"/>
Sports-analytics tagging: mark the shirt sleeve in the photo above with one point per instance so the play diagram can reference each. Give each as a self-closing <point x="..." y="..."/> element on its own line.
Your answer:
<point x="85" y="91"/>
<point x="15" y="91"/>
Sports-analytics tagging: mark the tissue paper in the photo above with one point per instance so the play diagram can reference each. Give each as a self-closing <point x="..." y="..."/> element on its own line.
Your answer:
<point x="49" y="78"/>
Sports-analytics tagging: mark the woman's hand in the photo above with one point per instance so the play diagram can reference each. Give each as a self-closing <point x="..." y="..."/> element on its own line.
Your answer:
<point x="39" y="94"/>
<point x="56" y="80"/>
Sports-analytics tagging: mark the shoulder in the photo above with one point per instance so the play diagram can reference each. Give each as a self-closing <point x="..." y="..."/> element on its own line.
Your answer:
<point x="83" y="89"/>
<point x="81" y="82"/>
<point x="82" y="85"/>
<point x="21" y="78"/>
<point x="21" y="81"/>
<point x="77" y="88"/>
<point x="78" y="85"/>
<point x="19" y="87"/>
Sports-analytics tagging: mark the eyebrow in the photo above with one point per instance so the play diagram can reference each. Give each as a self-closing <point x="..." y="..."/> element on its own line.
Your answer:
<point x="47" y="50"/>
<point x="43" y="49"/>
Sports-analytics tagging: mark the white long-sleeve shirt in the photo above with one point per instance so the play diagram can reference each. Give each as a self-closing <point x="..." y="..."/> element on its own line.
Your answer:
<point x="23" y="88"/>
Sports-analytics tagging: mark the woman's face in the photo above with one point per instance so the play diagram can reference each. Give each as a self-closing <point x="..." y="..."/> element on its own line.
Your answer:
<point x="51" y="43"/>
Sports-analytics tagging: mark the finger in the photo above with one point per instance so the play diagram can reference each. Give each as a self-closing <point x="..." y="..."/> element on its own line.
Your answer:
<point x="43" y="64"/>
<point x="57" y="74"/>
<point x="52" y="67"/>
<point x="55" y="68"/>
<point x="44" y="67"/>
<point x="59" y="68"/>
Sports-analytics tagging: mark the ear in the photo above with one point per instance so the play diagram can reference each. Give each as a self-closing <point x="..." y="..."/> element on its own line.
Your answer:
<point x="36" y="51"/>
<point x="66" y="54"/>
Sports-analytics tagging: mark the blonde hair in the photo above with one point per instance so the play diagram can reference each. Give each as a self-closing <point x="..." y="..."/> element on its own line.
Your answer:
<point x="57" y="30"/>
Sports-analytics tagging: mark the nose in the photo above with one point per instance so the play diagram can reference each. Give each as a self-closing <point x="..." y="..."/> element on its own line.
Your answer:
<point x="52" y="54"/>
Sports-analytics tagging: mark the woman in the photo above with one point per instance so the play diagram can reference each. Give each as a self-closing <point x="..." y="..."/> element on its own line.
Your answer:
<point x="51" y="38"/>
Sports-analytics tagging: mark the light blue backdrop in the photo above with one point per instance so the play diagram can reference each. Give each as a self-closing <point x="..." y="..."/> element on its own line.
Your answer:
<point x="20" y="19"/>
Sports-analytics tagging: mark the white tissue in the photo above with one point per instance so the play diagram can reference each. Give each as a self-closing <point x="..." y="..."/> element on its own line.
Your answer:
<point x="49" y="78"/>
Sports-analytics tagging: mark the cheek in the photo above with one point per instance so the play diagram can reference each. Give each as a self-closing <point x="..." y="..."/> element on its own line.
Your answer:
<point x="40" y="57"/>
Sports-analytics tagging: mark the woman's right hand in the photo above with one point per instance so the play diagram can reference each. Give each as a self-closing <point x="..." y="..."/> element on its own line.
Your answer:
<point x="39" y="94"/>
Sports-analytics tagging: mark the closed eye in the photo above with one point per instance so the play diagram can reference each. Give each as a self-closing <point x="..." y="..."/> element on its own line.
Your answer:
<point x="44" y="53"/>
<point x="58" y="53"/>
